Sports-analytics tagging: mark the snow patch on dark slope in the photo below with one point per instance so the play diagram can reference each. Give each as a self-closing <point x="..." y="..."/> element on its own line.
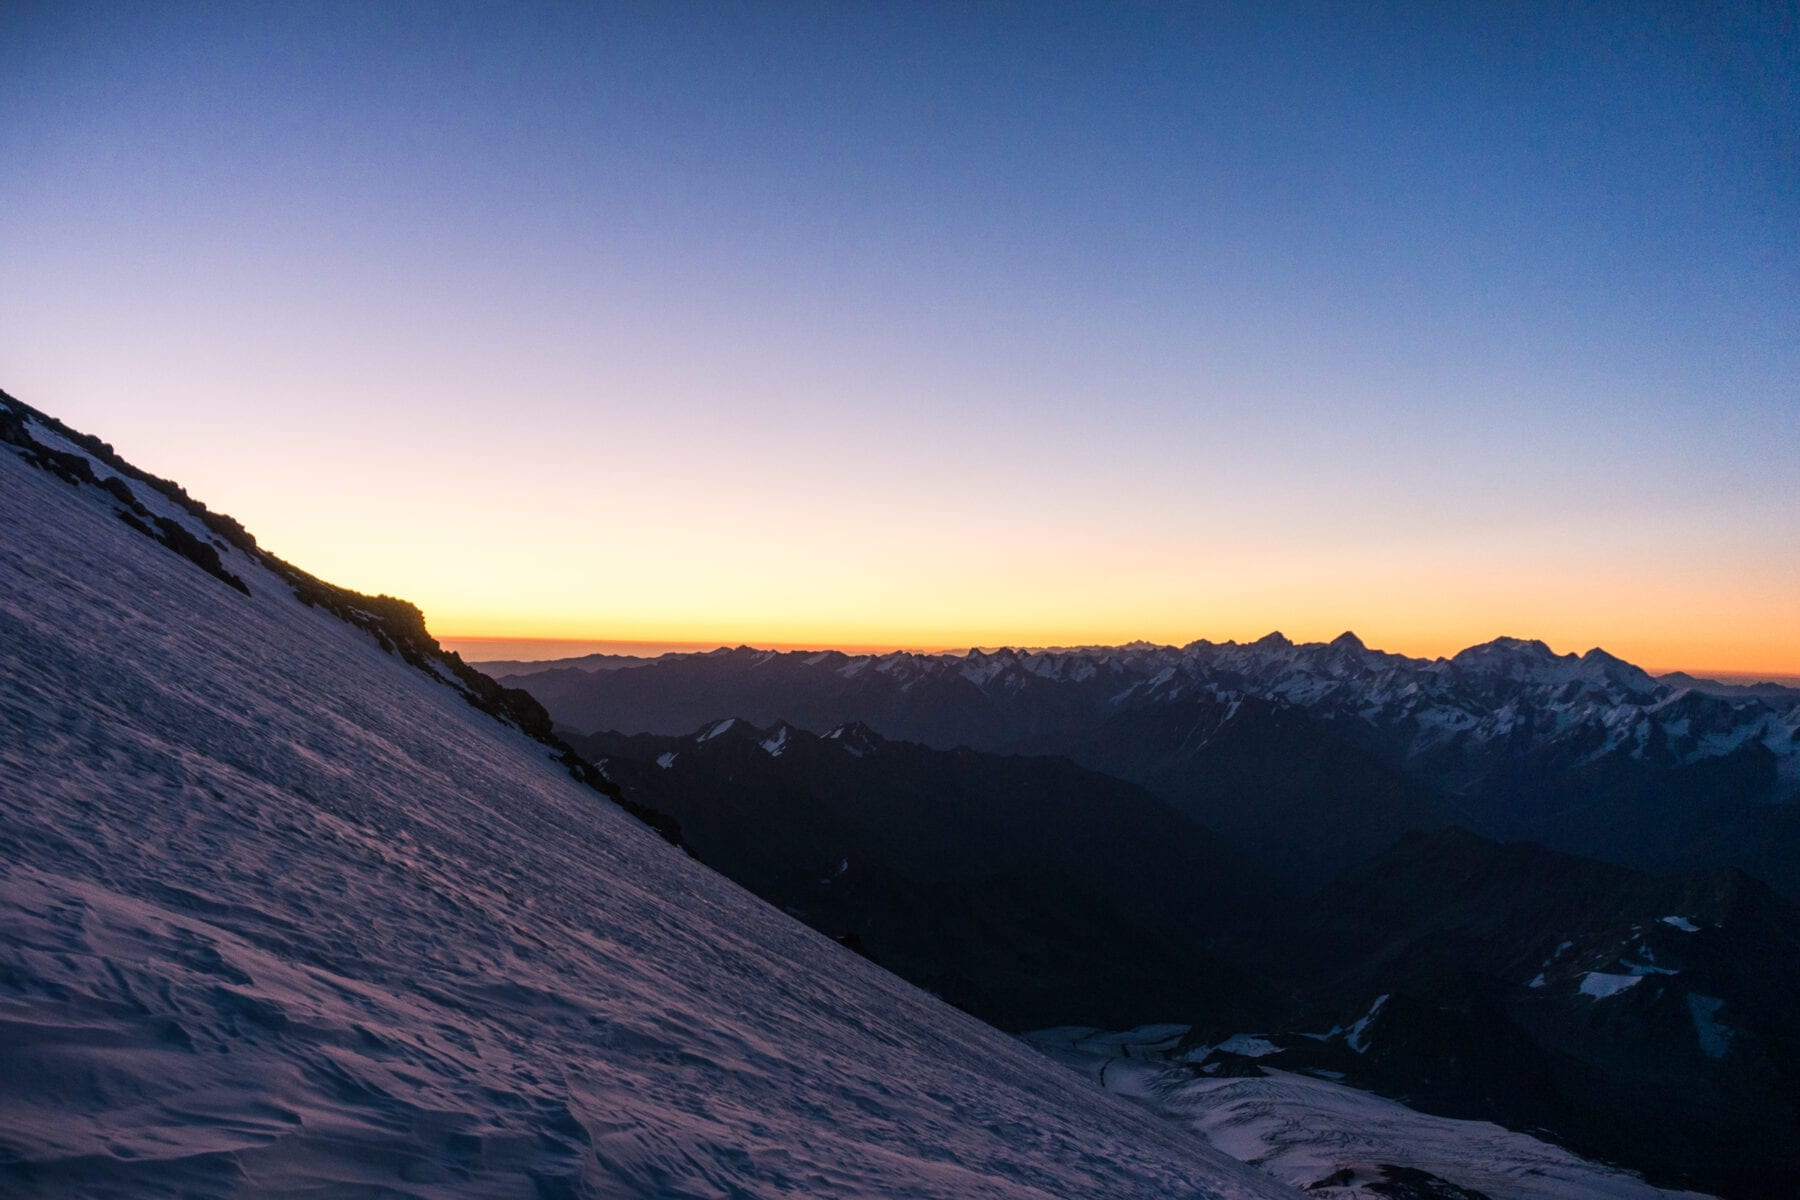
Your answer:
<point x="282" y="913"/>
<point x="1633" y="1018"/>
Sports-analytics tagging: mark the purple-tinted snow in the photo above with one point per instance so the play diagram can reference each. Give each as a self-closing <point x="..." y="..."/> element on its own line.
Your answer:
<point x="281" y="914"/>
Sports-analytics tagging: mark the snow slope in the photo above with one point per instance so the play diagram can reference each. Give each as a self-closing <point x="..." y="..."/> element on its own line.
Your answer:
<point x="283" y="914"/>
<point x="1330" y="1139"/>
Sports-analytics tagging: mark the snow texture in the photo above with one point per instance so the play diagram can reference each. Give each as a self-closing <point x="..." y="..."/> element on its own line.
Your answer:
<point x="280" y="914"/>
<point x="1304" y="1130"/>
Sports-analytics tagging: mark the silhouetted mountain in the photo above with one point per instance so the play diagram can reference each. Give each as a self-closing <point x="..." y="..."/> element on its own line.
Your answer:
<point x="1282" y="785"/>
<point x="1774" y="693"/>
<point x="1586" y="753"/>
<point x="1028" y="890"/>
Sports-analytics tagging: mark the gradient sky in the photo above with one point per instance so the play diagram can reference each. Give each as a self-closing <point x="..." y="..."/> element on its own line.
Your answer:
<point x="943" y="325"/>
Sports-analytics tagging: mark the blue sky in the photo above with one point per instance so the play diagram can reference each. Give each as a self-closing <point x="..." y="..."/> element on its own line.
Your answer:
<point x="866" y="323"/>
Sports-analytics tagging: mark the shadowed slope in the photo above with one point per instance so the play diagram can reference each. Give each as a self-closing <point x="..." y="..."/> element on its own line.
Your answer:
<point x="1028" y="890"/>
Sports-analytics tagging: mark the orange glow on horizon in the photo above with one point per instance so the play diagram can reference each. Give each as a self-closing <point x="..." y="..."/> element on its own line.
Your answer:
<point x="528" y="648"/>
<point x="722" y="552"/>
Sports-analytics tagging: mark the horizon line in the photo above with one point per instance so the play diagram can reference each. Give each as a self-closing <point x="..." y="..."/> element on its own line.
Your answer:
<point x="469" y="646"/>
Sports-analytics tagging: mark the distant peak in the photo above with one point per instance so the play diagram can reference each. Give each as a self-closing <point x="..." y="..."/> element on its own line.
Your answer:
<point x="1529" y="647"/>
<point x="1273" y="641"/>
<point x="1348" y="641"/>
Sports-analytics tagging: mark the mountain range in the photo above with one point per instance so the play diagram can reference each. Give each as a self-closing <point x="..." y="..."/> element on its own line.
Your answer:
<point x="1586" y="754"/>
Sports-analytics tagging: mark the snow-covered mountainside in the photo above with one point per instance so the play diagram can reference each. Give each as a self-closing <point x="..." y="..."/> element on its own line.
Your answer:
<point x="1586" y="753"/>
<point x="1504" y="692"/>
<point x="288" y="908"/>
<point x="1335" y="1142"/>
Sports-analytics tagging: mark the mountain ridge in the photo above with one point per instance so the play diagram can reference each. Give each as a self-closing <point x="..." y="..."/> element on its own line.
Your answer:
<point x="1584" y="752"/>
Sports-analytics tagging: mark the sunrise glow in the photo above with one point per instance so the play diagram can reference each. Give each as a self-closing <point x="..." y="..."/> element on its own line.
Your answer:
<point x="629" y="335"/>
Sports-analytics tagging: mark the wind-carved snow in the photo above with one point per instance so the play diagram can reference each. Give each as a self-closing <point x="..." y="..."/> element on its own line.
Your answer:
<point x="1715" y="1036"/>
<point x="1600" y="984"/>
<point x="1303" y="1130"/>
<point x="717" y="729"/>
<point x="666" y="759"/>
<point x="776" y="743"/>
<point x="281" y="914"/>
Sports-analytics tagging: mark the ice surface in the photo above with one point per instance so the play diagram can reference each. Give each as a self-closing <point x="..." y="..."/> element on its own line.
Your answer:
<point x="281" y="914"/>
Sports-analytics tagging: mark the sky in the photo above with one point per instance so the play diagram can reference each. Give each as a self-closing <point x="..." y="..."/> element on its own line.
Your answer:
<point x="918" y="325"/>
